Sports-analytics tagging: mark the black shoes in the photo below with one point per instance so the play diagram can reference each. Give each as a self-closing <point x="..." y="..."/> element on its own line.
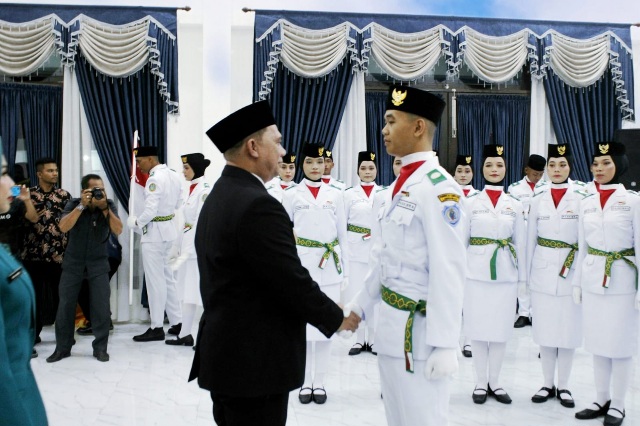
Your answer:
<point x="522" y="322"/>
<point x="319" y="395"/>
<point x="369" y="348"/>
<point x="357" y="348"/>
<point x="503" y="398"/>
<point x="588" y="414"/>
<point x="175" y="329"/>
<point x="479" y="398"/>
<point x="544" y="394"/>
<point x="610" y="420"/>
<point x="466" y="351"/>
<point x="87" y="330"/>
<point x="566" y="402"/>
<point x="152" y="334"/>
<point x="58" y="355"/>
<point x="101" y="356"/>
<point x="305" y="398"/>
<point x="34" y="354"/>
<point x="181" y="341"/>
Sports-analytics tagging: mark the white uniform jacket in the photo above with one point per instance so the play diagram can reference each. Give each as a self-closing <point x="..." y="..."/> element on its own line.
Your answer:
<point x="319" y="219"/>
<point x="612" y="229"/>
<point x="523" y="192"/>
<point x="191" y="211"/>
<point x="358" y="208"/>
<point x="162" y="197"/>
<point x="544" y="264"/>
<point x="336" y="183"/>
<point x="505" y="220"/>
<point x="418" y="252"/>
<point x="274" y="187"/>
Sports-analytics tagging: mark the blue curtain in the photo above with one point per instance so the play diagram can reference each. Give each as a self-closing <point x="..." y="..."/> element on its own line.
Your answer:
<point x="115" y="109"/>
<point x="582" y="117"/>
<point x="501" y="119"/>
<point x="41" y="123"/>
<point x="10" y="122"/>
<point x="310" y="110"/>
<point x="375" y="107"/>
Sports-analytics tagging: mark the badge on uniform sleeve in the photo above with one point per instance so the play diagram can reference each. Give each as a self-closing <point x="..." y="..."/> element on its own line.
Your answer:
<point x="152" y="187"/>
<point x="204" y="197"/>
<point x="451" y="214"/>
<point x="449" y="197"/>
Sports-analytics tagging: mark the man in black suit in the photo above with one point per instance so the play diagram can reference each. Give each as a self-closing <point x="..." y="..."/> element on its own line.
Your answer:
<point x="257" y="296"/>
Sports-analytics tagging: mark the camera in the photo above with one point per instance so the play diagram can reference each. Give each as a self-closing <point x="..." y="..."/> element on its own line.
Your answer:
<point x="97" y="193"/>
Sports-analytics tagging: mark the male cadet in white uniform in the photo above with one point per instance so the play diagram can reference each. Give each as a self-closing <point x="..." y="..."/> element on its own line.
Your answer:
<point x="417" y="267"/>
<point x="326" y="176"/>
<point x="161" y="200"/>
<point x="524" y="190"/>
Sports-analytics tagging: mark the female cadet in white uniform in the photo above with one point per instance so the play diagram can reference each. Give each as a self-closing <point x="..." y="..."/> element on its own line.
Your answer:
<point x="186" y="264"/>
<point x="284" y="180"/>
<point x="463" y="174"/>
<point x="496" y="247"/>
<point x="358" y="204"/>
<point x="317" y="212"/>
<point x="607" y="281"/>
<point x="552" y="242"/>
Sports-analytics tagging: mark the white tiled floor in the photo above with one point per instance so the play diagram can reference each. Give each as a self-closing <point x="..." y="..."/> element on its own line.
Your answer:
<point x="145" y="384"/>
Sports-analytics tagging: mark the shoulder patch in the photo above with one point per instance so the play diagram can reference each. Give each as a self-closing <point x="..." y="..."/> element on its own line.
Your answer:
<point x="204" y="196"/>
<point x="436" y="176"/>
<point x="152" y="187"/>
<point x="449" y="197"/>
<point x="152" y="173"/>
<point x="451" y="214"/>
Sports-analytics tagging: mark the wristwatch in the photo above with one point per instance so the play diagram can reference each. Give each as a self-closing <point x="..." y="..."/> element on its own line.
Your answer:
<point x="80" y="207"/>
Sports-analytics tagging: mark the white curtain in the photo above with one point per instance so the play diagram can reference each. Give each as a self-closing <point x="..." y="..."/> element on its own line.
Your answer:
<point x="79" y="157"/>
<point x="579" y="63"/>
<point x="405" y="56"/>
<point x="541" y="132"/>
<point x="495" y="59"/>
<point x="26" y="47"/>
<point x="352" y="134"/>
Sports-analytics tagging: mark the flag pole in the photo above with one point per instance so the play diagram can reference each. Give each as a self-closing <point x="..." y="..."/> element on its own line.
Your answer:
<point x="131" y="204"/>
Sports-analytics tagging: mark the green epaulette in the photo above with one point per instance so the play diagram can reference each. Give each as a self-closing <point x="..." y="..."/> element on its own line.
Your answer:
<point x="513" y="196"/>
<point x="290" y="187"/>
<point x="473" y="194"/>
<point x="206" y="185"/>
<point x="630" y="191"/>
<point x="515" y="184"/>
<point x="535" y="194"/>
<point x="349" y="188"/>
<point x="336" y="187"/>
<point x="584" y="194"/>
<point x="436" y="176"/>
<point x="382" y="188"/>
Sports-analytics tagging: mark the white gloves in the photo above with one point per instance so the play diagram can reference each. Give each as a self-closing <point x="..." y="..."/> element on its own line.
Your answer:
<point x="174" y="252"/>
<point x="131" y="222"/>
<point x="345" y="284"/>
<point x="577" y="295"/>
<point x="523" y="289"/>
<point x="441" y="363"/>
<point x="179" y="261"/>
<point x="346" y="310"/>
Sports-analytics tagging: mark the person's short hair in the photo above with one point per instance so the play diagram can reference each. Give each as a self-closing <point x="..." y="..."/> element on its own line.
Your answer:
<point x="84" y="183"/>
<point x="42" y="161"/>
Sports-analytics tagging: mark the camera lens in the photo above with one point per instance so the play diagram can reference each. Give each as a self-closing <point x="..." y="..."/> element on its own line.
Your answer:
<point x="97" y="193"/>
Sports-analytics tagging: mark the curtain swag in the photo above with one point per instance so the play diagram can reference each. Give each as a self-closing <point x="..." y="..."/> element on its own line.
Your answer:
<point x="115" y="51"/>
<point x="406" y="57"/>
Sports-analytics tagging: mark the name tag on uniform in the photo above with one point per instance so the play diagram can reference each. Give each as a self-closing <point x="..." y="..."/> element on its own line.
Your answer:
<point x="480" y="211"/>
<point x="620" y="208"/>
<point x="302" y="207"/>
<point x="358" y="201"/>
<point x="327" y="206"/>
<point x="406" y="205"/>
<point x="569" y="216"/>
<point x="589" y="211"/>
<point x="544" y="217"/>
<point x="508" y="213"/>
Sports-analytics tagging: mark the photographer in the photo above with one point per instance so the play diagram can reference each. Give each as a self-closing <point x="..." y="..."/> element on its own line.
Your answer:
<point x="89" y="220"/>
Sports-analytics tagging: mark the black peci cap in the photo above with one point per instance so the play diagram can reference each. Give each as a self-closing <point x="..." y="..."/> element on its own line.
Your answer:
<point x="415" y="101"/>
<point x="227" y="132"/>
<point x="536" y="162"/>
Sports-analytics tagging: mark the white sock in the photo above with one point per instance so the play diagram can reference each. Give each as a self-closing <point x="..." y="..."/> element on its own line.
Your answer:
<point x="188" y="314"/>
<point x="323" y="359"/>
<point x="480" y="360"/>
<point x="602" y="376"/>
<point x="307" y="370"/>
<point x="548" y="360"/>
<point x="565" y="364"/>
<point x="621" y="376"/>
<point x="496" y="356"/>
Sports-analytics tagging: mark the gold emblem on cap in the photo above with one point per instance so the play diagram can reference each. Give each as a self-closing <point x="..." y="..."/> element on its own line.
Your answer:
<point x="499" y="149"/>
<point x="320" y="151"/>
<point x="184" y="159"/>
<point x="328" y="153"/>
<point x="604" y="148"/>
<point x="468" y="160"/>
<point x="293" y="158"/>
<point x="562" y="149"/>
<point x="397" y="97"/>
<point x="373" y="156"/>
<point x="135" y="151"/>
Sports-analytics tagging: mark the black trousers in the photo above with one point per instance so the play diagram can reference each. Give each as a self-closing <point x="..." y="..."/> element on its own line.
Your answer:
<point x="99" y="292"/>
<point x="268" y="410"/>
<point x="83" y="297"/>
<point x="45" y="277"/>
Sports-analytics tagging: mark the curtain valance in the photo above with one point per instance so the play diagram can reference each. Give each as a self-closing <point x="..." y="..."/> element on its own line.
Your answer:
<point x="578" y="54"/>
<point x="113" y="50"/>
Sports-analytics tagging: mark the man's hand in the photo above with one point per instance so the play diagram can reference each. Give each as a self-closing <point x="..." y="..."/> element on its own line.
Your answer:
<point x="85" y="197"/>
<point x="24" y="193"/>
<point x="441" y="363"/>
<point x="132" y="222"/>
<point x="351" y="320"/>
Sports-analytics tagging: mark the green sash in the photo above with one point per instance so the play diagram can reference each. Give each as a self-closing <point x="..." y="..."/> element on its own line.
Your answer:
<point x="555" y="244"/>
<point x="612" y="256"/>
<point x="482" y="241"/>
<point x="330" y="251"/>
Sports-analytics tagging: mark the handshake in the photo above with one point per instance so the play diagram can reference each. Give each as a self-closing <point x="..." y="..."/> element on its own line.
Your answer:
<point x="352" y="317"/>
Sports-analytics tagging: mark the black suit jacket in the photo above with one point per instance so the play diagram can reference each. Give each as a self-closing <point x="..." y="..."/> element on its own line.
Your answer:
<point x="257" y="296"/>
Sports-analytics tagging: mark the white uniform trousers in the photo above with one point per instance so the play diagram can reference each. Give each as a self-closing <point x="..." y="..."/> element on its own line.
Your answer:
<point x="161" y="283"/>
<point x="410" y="399"/>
